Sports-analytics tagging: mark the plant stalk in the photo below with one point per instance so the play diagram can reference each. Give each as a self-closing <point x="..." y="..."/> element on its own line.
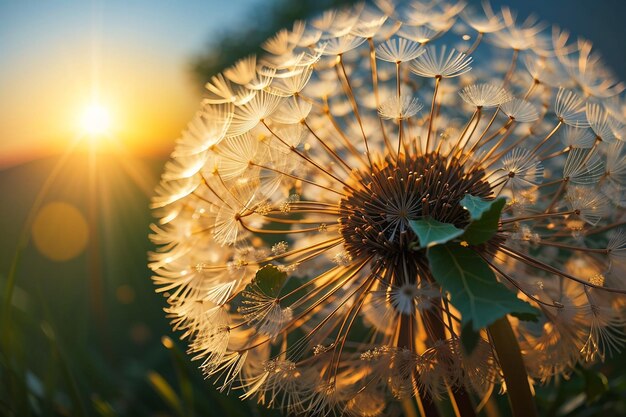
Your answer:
<point x="512" y="364"/>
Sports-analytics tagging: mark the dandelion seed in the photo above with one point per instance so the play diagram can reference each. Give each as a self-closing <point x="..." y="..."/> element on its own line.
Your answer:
<point x="520" y="110"/>
<point x="419" y="34"/>
<point x="398" y="50"/>
<point x="602" y="124"/>
<point x="243" y="71"/>
<point x="574" y="137"/>
<point x="399" y="108"/>
<point x="435" y="63"/>
<point x="583" y="167"/>
<point x="570" y="108"/>
<point x="522" y="168"/>
<point x="589" y="204"/>
<point x="342" y="258"/>
<point x="485" y="95"/>
<point x="486" y="22"/>
<point x="279" y="248"/>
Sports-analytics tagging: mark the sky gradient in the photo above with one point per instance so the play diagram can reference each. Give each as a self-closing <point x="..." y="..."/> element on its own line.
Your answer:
<point x="134" y="56"/>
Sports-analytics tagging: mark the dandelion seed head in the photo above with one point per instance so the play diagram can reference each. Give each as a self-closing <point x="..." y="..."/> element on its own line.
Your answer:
<point x="297" y="217"/>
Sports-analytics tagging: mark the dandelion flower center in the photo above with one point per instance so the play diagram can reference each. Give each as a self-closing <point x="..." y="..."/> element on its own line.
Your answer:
<point x="375" y="216"/>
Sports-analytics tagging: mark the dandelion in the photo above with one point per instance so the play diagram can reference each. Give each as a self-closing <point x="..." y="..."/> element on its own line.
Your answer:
<point x="327" y="246"/>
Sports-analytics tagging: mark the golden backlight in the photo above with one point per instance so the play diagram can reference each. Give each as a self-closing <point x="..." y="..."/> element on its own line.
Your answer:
<point x="96" y="120"/>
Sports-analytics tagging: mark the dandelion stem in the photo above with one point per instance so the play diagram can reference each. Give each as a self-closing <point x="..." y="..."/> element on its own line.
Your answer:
<point x="497" y="146"/>
<point x="310" y="210"/>
<point x="475" y="44"/>
<point x="510" y="358"/>
<point x="555" y="154"/>
<point x="574" y="248"/>
<point x="298" y="178"/>
<point x="532" y="87"/>
<point x="514" y="282"/>
<point x="432" y="112"/>
<point x="330" y="150"/>
<point x="408" y="408"/>
<point x="479" y="143"/>
<point x="557" y="194"/>
<point x="477" y="112"/>
<point x="292" y="221"/>
<point x="540" y="144"/>
<point x="282" y="232"/>
<point x="398" y="93"/>
<point x="303" y="156"/>
<point x="310" y="100"/>
<point x="374" y="70"/>
<point x="348" y="322"/>
<point x="509" y="73"/>
<point x="308" y="283"/>
<point x="550" y="183"/>
<point x="537" y="216"/>
<point x="400" y="118"/>
<point x="311" y="203"/>
<point x="355" y="108"/>
<point x="498" y="131"/>
<point x="342" y="134"/>
<point x="460" y="401"/>
<point x="219" y="197"/>
<point x="604" y="228"/>
<point x="529" y="260"/>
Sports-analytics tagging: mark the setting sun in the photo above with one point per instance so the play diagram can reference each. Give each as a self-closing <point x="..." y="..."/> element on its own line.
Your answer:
<point x="95" y="120"/>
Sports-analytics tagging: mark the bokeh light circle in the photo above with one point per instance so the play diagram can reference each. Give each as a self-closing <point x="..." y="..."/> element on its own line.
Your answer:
<point x="60" y="231"/>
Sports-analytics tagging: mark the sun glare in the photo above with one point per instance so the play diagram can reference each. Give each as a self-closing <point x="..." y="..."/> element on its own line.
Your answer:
<point x="95" y="120"/>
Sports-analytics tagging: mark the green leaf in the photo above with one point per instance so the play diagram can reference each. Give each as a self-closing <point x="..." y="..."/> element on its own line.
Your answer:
<point x="432" y="232"/>
<point x="482" y="229"/>
<point x="475" y="205"/>
<point x="526" y="316"/>
<point x="469" y="338"/>
<point x="472" y="285"/>
<point x="270" y="280"/>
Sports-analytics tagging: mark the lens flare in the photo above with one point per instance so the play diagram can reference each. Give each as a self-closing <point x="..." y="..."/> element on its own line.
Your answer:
<point x="60" y="231"/>
<point x="95" y="120"/>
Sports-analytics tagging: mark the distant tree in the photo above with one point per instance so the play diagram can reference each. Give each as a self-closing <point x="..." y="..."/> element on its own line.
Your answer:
<point x="265" y="20"/>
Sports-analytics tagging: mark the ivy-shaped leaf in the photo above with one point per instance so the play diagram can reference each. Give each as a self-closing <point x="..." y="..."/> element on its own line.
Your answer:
<point x="526" y="317"/>
<point x="432" y="232"/>
<point x="476" y="206"/>
<point x="473" y="287"/>
<point x="270" y="280"/>
<point x="482" y="229"/>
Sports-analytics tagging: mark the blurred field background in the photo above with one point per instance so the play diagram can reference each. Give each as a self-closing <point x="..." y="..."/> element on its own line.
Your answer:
<point x="83" y="332"/>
